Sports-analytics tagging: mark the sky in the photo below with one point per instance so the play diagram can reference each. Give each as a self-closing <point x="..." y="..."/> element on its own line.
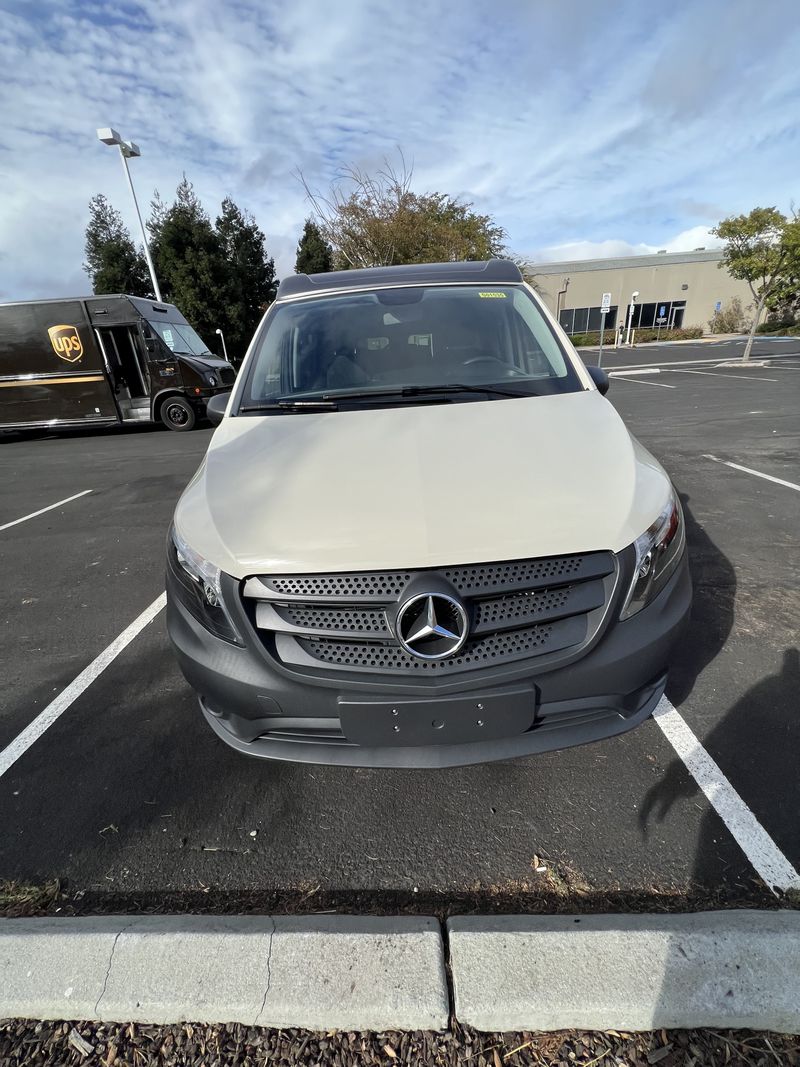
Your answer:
<point x="585" y="129"/>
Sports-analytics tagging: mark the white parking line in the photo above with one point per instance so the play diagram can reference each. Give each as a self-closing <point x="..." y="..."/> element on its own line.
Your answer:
<point x="41" y="511"/>
<point x="636" y="381"/>
<point x="45" y="719"/>
<point x="640" y="370"/>
<point x="749" y="470"/>
<point x="714" y="374"/>
<point x="777" y="360"/>
<point x="749" y="834"/>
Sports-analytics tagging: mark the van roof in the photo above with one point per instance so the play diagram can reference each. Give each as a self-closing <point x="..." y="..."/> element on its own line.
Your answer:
<point x="479" y="272"/>
<point x="141" y="303"/>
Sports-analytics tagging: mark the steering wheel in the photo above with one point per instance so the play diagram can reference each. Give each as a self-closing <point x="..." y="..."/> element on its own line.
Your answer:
<point x="493" y="361"/>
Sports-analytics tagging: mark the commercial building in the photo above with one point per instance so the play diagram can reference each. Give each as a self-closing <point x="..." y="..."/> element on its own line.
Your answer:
<point x="675" y="289"/>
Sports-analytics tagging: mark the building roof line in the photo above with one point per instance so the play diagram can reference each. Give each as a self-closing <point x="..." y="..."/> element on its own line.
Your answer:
<point x="656" y="259"/>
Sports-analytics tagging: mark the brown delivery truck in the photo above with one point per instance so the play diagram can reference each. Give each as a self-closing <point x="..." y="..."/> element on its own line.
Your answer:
<point x="102" y="360"/>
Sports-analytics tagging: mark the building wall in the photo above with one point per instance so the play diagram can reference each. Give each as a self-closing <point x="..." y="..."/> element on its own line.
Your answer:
<point x="664" y="279"/>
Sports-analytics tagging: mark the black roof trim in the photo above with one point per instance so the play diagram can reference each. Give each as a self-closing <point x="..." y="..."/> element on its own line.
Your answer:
<point x="86" y="299"/>
<point x="489" y="271"/>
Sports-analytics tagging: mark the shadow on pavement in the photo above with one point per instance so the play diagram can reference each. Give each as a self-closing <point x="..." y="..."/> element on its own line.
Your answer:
<point x="714" y="583"/>
<point x="755" y="742"/>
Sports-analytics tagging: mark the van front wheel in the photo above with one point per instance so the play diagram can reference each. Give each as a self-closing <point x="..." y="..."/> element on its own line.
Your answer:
<point x="178" y="414"/>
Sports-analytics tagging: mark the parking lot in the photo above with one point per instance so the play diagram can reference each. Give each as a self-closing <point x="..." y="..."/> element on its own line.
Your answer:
<point x="129" y="794"/>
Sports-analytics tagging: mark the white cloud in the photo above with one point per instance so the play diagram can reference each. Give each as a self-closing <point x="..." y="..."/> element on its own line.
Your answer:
<point x="584" y="131"/>
<point x="686" y="241"/>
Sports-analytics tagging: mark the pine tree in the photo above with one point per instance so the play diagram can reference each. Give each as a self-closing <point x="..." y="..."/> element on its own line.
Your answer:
<point x="113" y="262"/>
<point x="189" y="262"/>
<point x="314" y="254"/>
<point x="250" y="282"/>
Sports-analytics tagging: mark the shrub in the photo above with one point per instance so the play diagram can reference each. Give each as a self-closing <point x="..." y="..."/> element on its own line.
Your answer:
<point x="790" y="331"/>
<point x="686" y="333"/>
<point x="730" y="318"/>
<point x="579" y="339"/>
<point x="777" y="326"/>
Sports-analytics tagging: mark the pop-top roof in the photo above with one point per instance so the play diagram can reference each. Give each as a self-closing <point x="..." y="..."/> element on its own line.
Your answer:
<point x="483" y="272"/>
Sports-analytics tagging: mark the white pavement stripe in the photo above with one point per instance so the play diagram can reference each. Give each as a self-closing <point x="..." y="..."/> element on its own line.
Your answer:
<point x="41" y="511"/>
<point x="714" y="374"/>
<point x="45" y="719"/>
<point x="635" y="381"/>
<point x="749" y="834"/>
<point x="641" y="370"/>
<point x="717" y="361"/>
<point x="749" y="470"/>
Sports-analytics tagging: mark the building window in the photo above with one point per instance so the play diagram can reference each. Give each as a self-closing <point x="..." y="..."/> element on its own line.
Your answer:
<point x="586" y="320"/>
<point x="663" y="314"/>
<point x="581" y="323"/>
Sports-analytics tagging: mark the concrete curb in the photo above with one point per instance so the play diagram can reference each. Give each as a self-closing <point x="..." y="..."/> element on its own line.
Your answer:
<point x="315" y="972"/>
<point x="339" y="972"/>
<point x="628" y="972"/>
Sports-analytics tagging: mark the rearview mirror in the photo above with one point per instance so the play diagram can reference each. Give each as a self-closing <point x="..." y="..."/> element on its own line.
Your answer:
<point x="600" y="379"/>
<point x="215" y="409"/>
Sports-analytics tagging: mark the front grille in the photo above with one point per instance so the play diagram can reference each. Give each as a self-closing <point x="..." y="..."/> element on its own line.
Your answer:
<point x="227" y="375"/>
<point x="518" y="610"/>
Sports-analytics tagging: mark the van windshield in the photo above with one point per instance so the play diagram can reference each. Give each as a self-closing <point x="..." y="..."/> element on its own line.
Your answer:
<point x="180" y="337"/>
<point x="379" y="343"/>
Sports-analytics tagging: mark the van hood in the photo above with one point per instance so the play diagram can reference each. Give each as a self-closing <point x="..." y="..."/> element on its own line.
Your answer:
<point x="420" y="486"/>
<point x="202" y="363"/>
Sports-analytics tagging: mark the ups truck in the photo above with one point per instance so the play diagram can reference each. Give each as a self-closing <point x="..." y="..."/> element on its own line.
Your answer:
<point x="101" y="360"/>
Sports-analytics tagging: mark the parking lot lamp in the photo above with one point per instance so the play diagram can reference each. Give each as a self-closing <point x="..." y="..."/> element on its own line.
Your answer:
<point x="224" y="347"/>
<point x="127" y="150"/>
<point x="634" y="295"/>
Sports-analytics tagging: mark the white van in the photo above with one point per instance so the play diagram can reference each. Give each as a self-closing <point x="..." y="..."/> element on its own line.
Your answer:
<point x="421" y="536"/>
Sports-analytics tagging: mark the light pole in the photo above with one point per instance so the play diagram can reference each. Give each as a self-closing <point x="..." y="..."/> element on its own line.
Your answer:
<point x="630" y="316"/>
<point x="128" y="150"/>
<point x="224" y="347"/>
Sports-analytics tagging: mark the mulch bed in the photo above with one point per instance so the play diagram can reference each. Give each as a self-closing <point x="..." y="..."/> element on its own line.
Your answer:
<point x="67" y="1044"/>
<point x="555" y="894"/>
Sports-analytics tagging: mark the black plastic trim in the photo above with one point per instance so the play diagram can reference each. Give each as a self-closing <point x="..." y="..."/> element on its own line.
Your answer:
<point x="482" y="272"/>
<point x="601" y="692"/>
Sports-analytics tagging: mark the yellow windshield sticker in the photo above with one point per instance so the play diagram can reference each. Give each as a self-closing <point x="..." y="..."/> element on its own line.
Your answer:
<point x="496" y="295"/>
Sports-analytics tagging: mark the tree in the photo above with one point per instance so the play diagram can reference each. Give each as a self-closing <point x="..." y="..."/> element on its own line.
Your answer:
<point x="113" y="262"/>
<point x="314" y="254"/>
<point x="783" y="304"/>
<point x="373" y="220"/>
<point x="249" y="285"/>
<point x="729" y="319"/>
<point x="761" y="248"/>
<point x="189" y="260"/>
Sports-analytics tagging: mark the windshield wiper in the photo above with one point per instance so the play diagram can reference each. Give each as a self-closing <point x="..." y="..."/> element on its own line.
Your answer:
<point x="424" y="390"/>
<point x="287" y="404"/>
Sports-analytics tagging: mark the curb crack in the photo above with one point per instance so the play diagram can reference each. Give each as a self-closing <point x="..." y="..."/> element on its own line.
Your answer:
<point x="269" y="971"/>
<point x="110" y="961"/>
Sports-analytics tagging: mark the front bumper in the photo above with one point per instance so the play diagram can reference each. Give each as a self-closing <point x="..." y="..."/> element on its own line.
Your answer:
<point x="265" y="711"/>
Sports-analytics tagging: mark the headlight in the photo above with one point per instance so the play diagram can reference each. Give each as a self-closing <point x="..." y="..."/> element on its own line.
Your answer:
<point x="212" y="379"/>
<point x="197" y="585"/>
<point x="658" y="552"/>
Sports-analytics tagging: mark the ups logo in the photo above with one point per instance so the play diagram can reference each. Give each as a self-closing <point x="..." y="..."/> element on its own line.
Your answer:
<point x="66" y="343"/>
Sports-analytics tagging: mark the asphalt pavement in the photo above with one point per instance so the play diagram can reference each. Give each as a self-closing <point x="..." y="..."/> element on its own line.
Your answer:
<point x="130" y="793"/>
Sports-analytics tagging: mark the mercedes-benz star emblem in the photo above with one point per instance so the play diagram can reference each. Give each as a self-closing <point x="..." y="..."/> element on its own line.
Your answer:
<point x="432" y="625"/>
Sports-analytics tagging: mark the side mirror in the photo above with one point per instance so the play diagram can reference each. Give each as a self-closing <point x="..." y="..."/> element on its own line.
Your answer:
<point x="600" y="379"/>
<point x="215" y="409"/>
<point x="150" y="344"/>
